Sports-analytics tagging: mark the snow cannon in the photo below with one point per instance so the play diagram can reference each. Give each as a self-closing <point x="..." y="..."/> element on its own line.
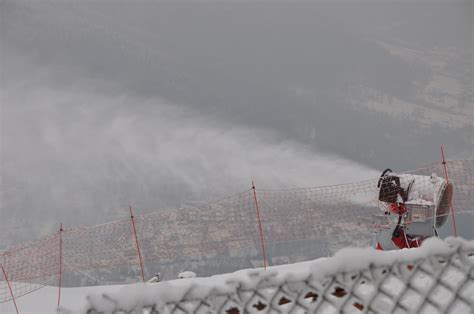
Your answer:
<point x="413" y="206"/>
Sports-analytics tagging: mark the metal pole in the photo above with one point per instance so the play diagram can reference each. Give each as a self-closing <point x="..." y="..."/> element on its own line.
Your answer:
<point x="446" y="176"/>
<point x="136" y="241"/>
<point x="60" y="262"/>
<point x="10" y="288"/>
<point x="262" y="237"/>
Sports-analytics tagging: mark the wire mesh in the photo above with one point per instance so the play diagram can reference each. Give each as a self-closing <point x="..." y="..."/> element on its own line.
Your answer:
<point x="30" y="267"/>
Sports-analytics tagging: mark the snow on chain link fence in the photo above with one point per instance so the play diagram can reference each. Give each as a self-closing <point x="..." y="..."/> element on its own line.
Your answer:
<point x="294" y="224"/>
<point x="436" y="278"/>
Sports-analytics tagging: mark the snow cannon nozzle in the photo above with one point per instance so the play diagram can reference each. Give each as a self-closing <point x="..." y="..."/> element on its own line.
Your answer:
<point x="383" y="175"/>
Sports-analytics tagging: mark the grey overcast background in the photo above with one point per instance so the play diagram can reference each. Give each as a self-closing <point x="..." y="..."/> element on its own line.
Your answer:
<point x="160" y="104"/>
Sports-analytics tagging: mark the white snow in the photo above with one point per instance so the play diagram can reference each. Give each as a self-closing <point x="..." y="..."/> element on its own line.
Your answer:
<point x="45" y="300"/>
<point x="187" y="274"/>
<point x="134" y="295"/>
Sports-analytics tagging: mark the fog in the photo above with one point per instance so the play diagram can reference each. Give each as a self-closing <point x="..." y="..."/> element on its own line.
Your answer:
<point x="161" y="104"/>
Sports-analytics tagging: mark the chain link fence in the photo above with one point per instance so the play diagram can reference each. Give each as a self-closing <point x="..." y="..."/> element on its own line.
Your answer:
<point x="436" y="278"/>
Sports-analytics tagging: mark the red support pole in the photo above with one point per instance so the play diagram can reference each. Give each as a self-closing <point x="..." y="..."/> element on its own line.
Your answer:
<point x="262" y="237"/>
<point x="60" y="262"/>
<point x="136" y="241"/>
<point x="446" y="176"/>
<point x="10" y="288"/>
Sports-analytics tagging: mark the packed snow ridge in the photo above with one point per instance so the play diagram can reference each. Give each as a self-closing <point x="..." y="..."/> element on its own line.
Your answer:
<point x="305" y="278"/>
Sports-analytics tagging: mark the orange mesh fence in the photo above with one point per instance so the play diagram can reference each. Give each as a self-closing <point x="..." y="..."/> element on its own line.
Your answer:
<point x="104" y="246"/>
<point x="30" y="267"/>
<point x="210" y="230"/>
<point x="297" y="224"/>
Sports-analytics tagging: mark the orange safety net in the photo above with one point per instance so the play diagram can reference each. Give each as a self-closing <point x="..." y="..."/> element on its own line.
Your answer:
<point x="297" y="224"/>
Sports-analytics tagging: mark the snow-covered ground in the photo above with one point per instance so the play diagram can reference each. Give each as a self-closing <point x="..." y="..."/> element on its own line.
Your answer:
<point x="348" y="260"/>
<point x="45" y="299"/>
